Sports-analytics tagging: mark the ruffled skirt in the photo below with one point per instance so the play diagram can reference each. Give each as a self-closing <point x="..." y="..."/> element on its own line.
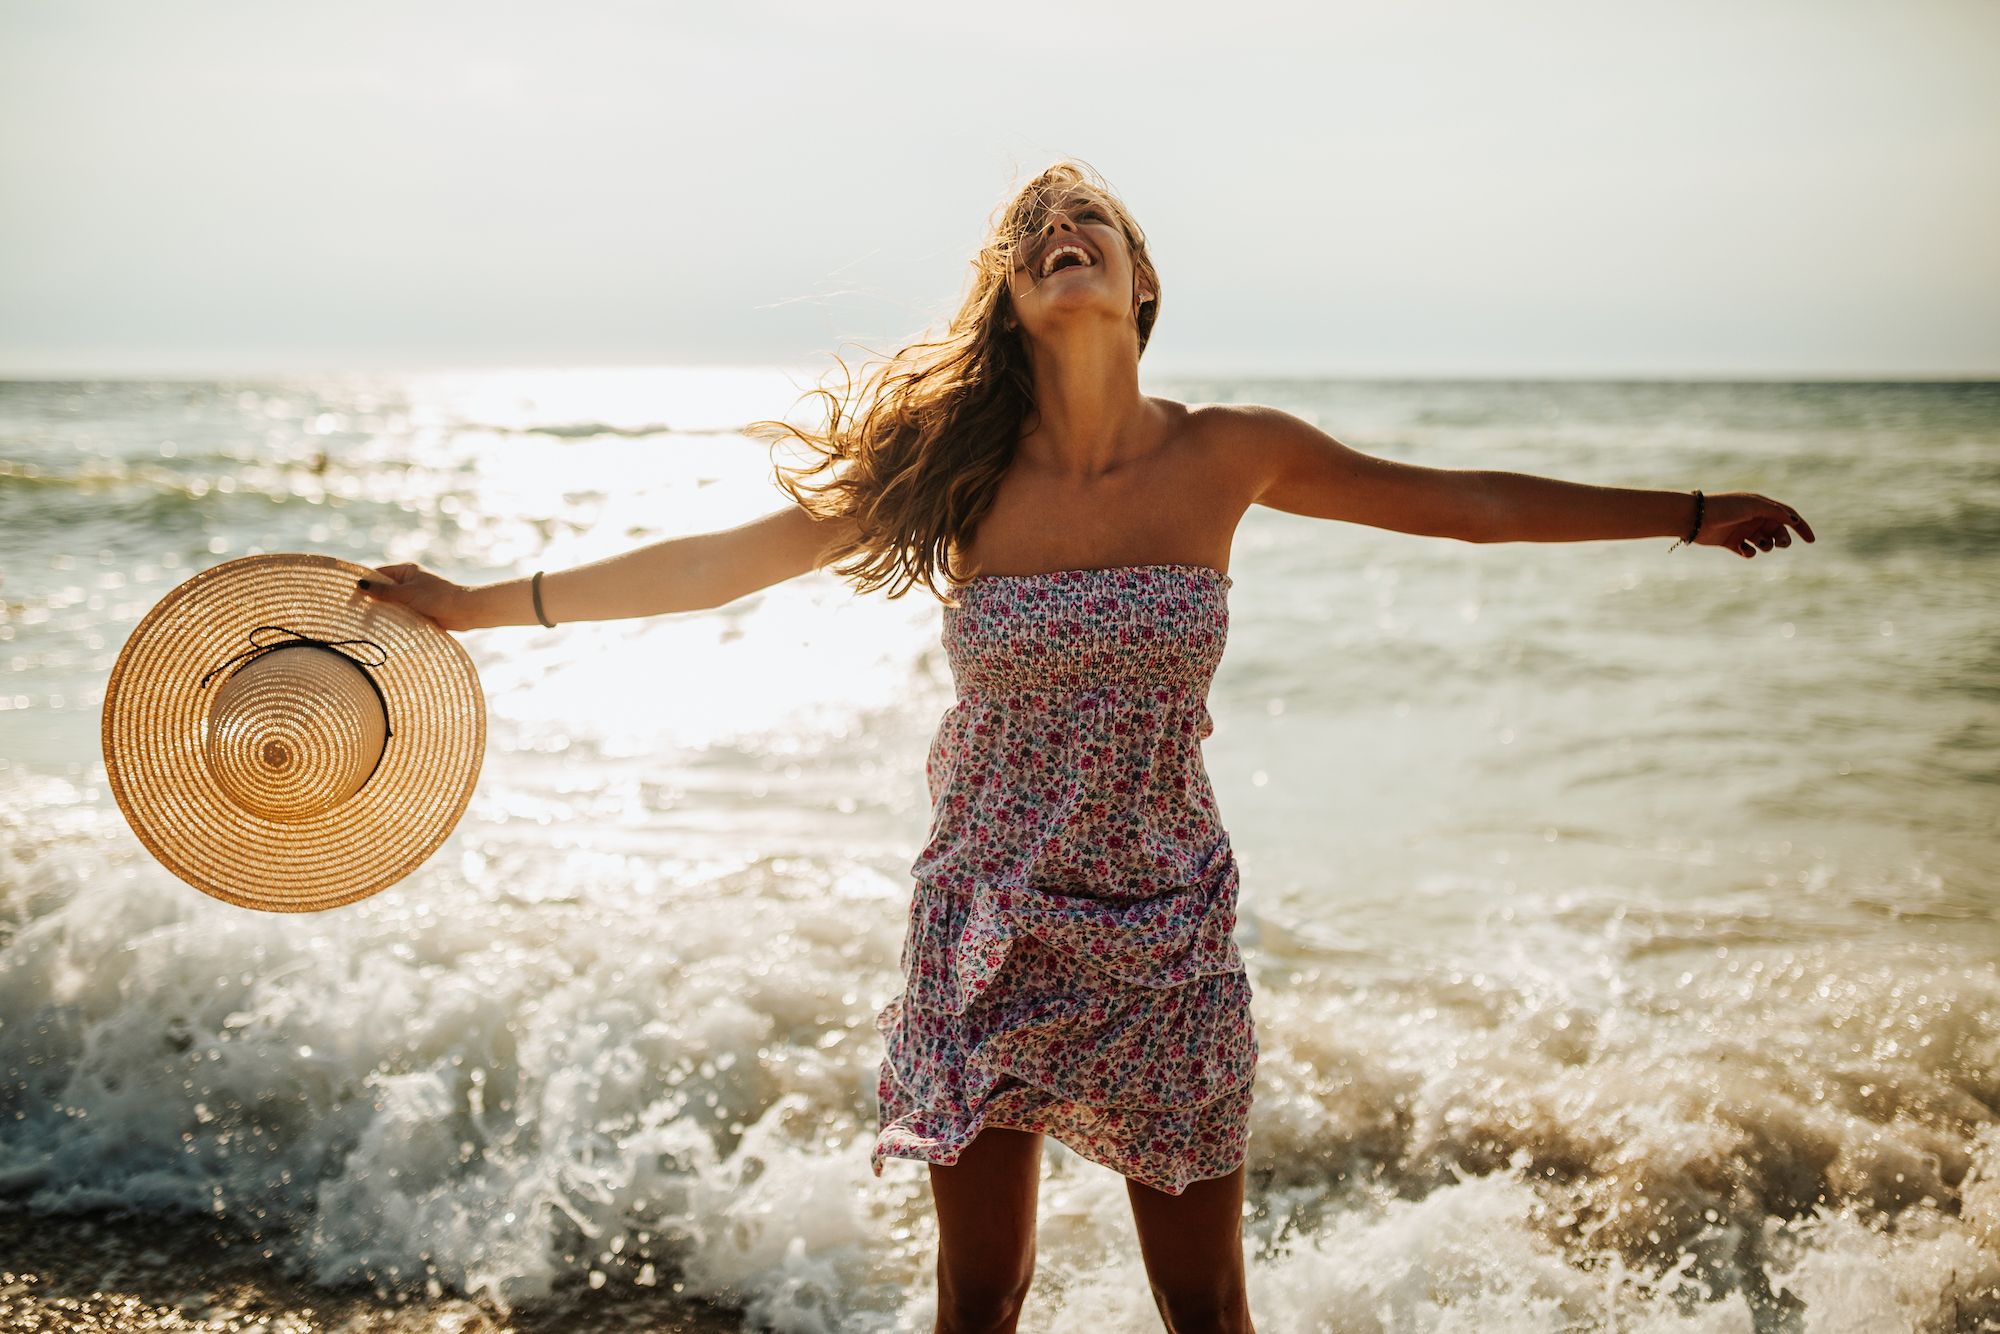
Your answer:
<point x="1120" y="1027"/>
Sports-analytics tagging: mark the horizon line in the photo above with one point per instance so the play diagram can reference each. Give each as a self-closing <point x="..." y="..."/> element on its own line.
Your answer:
<point x="72" y="374"/>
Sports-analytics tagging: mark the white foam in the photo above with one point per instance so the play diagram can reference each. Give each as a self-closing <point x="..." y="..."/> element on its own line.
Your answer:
<point x="501" y="1088"/>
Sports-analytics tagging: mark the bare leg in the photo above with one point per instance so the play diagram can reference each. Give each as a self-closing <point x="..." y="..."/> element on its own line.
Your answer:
<point x="1193" y="1247"/>
<point x="986" y="1231"/>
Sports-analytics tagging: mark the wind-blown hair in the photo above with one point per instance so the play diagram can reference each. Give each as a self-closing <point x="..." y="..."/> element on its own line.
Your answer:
<point x="915" y="452"/>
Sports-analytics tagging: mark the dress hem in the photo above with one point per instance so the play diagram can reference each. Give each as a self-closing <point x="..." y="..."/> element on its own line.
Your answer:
<point x="963" y="1134"/>
<point x="1164" y="1185"/>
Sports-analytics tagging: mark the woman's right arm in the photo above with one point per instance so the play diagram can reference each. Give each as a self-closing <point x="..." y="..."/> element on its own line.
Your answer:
<point x="691" y="573"/>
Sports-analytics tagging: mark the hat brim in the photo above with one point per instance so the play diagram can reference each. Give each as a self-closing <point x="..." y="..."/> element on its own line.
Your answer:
<point x="155" y="721"/>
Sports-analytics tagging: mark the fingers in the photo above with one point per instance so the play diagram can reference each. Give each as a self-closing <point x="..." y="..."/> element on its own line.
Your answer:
<point x="1762" y="539"/>
<point x="1751" y="543"/>
<point x="429" y="595"/>
<point x="1783" y="514"/>
<point x="387" y="581"/>
<point x="1770" y="533"/>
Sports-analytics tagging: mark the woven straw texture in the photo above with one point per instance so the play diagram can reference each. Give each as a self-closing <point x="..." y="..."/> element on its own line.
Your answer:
<point x="280" y="785"/>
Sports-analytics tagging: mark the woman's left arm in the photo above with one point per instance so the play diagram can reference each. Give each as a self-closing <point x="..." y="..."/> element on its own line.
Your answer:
<point x="1526" y="508"/>
<point x="1298" y="468"/>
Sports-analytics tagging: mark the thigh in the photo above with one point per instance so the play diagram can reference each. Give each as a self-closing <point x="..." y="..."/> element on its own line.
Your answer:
<point x="1192" y="1242"/>
<point x="986" y="1212"/>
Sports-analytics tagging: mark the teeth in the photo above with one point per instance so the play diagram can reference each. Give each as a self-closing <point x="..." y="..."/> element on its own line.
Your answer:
<point x="1049" y="260"/>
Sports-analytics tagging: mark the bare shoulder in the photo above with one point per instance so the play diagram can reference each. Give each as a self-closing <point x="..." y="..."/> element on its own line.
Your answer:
<point x="1241" y="443"/>
<point x="1242" y="424"/>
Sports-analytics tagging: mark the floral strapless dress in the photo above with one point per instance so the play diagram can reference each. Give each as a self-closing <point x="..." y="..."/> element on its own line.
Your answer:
<point x="1069" y="965"/>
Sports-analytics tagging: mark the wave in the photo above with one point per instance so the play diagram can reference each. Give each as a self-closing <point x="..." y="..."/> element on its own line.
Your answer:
<point x="149" y="494"/>
<point x="1951" y="526"/>
<point x="585" y="430"/>
<point x="503" y="1103"/>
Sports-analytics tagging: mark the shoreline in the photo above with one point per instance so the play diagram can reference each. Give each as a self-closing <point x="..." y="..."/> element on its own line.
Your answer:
<point x="124" y="1273"/>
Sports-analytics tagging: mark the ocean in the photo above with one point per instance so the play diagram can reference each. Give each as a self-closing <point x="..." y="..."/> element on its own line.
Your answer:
<point x="1623" y="922"/>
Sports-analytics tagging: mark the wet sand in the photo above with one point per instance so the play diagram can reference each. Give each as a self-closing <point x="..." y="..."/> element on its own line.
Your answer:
<point x="129" y="1275"/>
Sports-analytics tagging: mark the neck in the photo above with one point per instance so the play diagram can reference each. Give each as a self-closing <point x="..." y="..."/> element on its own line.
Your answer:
<point x="1090" y="415"/>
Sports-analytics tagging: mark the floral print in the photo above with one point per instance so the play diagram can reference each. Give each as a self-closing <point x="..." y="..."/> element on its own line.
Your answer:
<point x="1069" y="965"/>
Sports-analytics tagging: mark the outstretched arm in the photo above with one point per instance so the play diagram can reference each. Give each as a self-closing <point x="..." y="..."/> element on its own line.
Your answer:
<point x="1547" y="509"/>
<point x="1301" y="469"/>
<point x="690" y="573"/>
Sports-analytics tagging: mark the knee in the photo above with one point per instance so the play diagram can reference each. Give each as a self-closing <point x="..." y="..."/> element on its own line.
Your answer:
<point x="1204" y="1310"/>
<point x="981" y="1306"/>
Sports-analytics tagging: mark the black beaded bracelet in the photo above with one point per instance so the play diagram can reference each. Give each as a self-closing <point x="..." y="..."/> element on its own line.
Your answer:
<point x="1695" y="531"/>
<point x="535" y="587"/>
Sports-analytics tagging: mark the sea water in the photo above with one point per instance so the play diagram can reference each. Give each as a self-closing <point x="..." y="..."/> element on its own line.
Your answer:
<point x="1622" y="920"/>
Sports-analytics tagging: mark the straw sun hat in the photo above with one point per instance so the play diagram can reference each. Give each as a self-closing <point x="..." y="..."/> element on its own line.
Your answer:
<point x="281" y="741"/>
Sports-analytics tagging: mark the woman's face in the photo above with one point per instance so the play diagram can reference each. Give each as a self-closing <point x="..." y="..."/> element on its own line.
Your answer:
<point x="1072" y="260"/>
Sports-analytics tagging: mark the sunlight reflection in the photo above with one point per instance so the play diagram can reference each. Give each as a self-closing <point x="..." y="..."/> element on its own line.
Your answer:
<point x="623" y="398"/>
<point x="784" y="671"/>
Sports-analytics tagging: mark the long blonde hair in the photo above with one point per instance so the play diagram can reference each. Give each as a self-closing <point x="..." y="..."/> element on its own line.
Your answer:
<point x="915" y="453"/>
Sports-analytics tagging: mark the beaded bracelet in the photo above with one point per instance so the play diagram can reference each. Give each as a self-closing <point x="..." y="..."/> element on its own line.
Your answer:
<point x="1695" y="531"/>
<point x="535" y="587"/>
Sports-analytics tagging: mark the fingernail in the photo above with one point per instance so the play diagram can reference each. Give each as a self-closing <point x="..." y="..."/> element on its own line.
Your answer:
<point x="363" y="583"/>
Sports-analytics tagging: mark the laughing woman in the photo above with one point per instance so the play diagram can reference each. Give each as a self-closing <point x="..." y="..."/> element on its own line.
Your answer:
<point x="1070" y="968"/>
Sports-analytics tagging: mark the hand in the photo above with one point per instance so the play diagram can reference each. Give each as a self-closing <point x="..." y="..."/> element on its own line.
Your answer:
<point x="427" y="594"/>
<point x="1746" y="523"/>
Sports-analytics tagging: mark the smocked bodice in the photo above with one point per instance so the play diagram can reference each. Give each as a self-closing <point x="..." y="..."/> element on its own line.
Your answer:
<point x="1071" y="758"/>
<point x="1159" y="628"/>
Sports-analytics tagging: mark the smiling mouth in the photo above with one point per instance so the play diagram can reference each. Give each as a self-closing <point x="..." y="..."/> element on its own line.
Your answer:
<point x="1065" y="256"/>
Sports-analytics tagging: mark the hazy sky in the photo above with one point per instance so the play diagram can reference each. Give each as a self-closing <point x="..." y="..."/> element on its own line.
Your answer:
<point x="1736" y="188"/>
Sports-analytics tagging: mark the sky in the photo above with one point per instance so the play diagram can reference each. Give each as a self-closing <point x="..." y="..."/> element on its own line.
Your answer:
<point x="1736" y="189"/>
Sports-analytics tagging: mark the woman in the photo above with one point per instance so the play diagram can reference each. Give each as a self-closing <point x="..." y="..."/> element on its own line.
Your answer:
<point x="1069" y="967"/>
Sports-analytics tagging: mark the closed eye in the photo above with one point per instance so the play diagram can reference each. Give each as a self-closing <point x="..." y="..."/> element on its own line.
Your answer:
<point x="1079" y="214"/>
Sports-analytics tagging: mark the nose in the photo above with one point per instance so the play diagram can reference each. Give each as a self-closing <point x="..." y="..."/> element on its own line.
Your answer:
<point x="1058" y="223"/>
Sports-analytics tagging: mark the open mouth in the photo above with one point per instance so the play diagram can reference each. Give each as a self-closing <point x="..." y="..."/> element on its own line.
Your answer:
<point x="1065" y="256"/>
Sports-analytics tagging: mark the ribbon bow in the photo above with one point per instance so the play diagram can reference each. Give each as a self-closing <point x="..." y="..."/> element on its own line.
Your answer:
<point x="259" y="648"/>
